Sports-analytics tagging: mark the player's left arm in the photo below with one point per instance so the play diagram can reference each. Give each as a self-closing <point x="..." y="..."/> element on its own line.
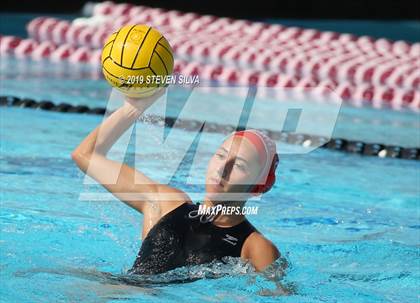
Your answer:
<point x="260" y="251"/>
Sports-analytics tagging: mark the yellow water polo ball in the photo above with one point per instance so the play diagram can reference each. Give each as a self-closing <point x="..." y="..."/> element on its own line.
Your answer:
<point x="136" y="59"/>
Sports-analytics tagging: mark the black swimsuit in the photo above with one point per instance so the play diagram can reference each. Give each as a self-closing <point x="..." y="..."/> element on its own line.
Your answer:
<point x="180" y="238"/>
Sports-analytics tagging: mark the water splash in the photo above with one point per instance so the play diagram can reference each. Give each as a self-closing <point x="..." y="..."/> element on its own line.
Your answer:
<point x="266" y="283"/>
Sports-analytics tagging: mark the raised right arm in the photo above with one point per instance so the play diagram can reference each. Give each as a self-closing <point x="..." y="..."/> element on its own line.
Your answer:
<point x="126" y="183"/>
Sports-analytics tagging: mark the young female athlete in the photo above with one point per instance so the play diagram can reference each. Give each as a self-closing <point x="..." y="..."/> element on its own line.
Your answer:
<point x="174" y="233"/>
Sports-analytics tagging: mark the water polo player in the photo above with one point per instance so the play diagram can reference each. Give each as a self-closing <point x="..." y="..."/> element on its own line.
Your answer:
<point x="173" y="232"/>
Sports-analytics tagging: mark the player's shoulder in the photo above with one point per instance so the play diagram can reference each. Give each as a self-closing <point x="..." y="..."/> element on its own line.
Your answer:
<point x="257" y="240"/>
<point x="257" y="244"/>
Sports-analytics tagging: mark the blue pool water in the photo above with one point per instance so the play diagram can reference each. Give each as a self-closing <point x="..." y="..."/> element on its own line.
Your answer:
<point x="348" y="225"/>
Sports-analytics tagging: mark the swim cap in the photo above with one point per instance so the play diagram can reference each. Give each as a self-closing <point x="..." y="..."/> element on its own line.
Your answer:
<point x="268" y="158"/>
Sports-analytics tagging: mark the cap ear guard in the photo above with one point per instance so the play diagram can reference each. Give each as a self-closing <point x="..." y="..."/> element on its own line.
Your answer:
<point x="271" y="178"/>
<point x="265" y="147"/>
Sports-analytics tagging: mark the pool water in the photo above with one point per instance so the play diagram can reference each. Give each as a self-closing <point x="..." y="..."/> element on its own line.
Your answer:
<point x="348" y="225"/>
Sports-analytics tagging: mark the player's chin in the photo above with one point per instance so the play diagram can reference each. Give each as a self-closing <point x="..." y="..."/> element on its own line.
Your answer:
<point x="217" y="192"/>
<point x="214" y="188"/>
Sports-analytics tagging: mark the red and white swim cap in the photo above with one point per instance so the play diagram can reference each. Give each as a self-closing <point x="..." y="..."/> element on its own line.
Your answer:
<point x="268" y="158"/>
